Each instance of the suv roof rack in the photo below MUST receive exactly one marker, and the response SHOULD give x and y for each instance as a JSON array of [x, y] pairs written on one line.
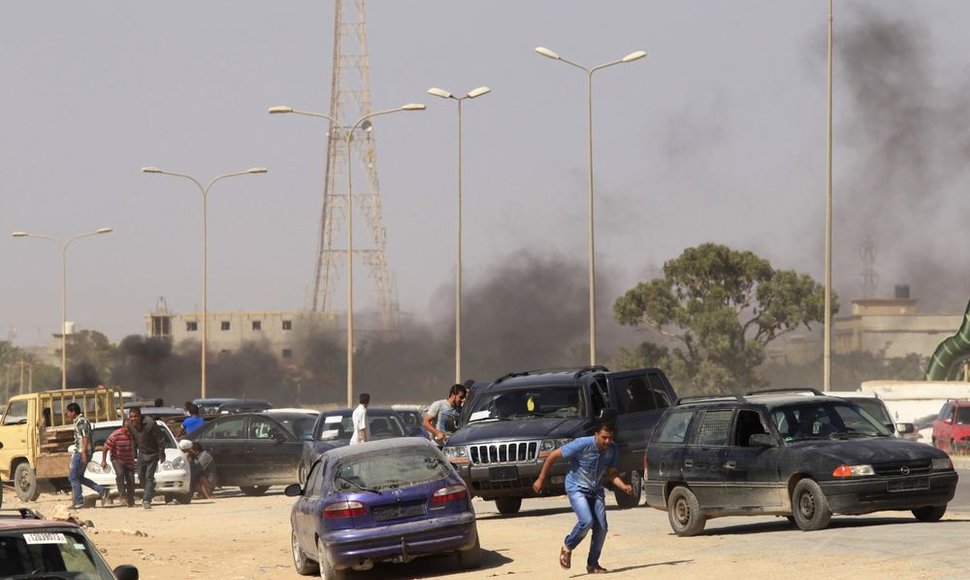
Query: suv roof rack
[[698, 398], [811, 390], [21, 513], [590, 369], [577, 372]]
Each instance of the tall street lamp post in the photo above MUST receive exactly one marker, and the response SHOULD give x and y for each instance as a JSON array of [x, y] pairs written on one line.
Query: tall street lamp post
[[589, 127], [827, 318], [205, 220], [446, 95], [350, 221], [63, 248]]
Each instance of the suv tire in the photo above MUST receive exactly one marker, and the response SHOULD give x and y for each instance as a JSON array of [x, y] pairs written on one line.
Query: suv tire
[[930, 513], [809, 506], [684, 512], [508, 505], [624, 501], [25, 482]]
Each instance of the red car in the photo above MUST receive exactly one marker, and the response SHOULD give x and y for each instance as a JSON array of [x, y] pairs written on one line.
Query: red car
[[951, 429]]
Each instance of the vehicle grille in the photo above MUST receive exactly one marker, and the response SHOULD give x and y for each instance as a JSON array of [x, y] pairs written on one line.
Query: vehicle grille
[[915, 467], [511, 452]]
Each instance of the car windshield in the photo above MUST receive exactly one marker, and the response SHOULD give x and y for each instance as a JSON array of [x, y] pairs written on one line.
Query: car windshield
[[826, 420], [45, 554], [876, 408], [552, 401], [389, 470], [963, 415], [340, 426]]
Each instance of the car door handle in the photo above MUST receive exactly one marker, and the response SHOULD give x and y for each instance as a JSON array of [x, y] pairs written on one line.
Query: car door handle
[[730, 464], [688, 463]]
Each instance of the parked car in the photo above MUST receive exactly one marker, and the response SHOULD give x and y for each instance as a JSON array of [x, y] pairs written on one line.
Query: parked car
[[951, 428], [381, 501], [254, 450], [413, 418], [210, 405], [31, 547], [172, 478], [789, 455], [333, 429], [510, 426], [243, 406]]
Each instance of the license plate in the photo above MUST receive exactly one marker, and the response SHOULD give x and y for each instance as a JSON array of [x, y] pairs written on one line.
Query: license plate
[[503, 473], [396, 512], [910, 484]]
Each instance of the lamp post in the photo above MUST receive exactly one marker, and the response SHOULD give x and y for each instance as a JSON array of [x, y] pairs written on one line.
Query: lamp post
[[350, 221], [827, 319], [446, 95], [63, 248], [589, 126], [205, 219]]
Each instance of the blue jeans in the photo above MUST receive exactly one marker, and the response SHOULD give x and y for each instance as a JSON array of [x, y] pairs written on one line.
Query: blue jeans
[[147, 464], [590, 509], [77, 479]]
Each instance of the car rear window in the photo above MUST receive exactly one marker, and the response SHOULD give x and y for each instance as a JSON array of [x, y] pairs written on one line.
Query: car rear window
[[340, 427], [384, 470]]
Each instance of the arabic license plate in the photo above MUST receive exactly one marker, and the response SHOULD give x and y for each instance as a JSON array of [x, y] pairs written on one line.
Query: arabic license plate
[[503, 473], [396, 512], [45, 538], [909, 484]]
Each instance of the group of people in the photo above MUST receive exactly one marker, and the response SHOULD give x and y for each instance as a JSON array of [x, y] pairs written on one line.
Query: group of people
[[440, 420], [137, 446]]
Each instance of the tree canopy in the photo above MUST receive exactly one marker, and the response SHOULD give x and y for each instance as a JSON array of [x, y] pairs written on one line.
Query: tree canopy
[[717, 308]]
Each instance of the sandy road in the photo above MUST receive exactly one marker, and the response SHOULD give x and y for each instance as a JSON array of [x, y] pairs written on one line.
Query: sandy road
[[242, 537]]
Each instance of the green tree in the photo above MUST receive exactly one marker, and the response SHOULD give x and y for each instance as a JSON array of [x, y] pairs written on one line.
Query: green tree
[[718, 307]]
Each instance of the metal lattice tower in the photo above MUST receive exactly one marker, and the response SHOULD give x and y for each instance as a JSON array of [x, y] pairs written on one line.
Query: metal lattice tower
[[869, 279], [350, 99]]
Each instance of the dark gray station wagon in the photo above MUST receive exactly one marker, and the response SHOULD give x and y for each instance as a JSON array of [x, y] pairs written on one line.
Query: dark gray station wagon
[[785, 454]]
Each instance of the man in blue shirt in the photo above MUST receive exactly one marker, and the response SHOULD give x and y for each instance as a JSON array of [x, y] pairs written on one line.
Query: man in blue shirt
[[192, 422], [589, 458]]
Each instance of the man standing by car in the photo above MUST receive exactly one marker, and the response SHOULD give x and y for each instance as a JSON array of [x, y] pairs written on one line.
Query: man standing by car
[[121, 447], [150, 443], [589, 458], [79, 459], [192, 422], [359, 419], [441, 420]]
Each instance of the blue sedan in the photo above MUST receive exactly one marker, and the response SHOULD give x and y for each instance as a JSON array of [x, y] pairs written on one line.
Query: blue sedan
[[382, 501]]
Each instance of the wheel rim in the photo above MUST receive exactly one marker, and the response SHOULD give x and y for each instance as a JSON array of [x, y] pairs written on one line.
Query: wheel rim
[[681, 511], [806, 505], [297, 555]]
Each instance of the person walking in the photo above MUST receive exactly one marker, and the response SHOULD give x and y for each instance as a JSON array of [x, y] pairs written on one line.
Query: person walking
[[150, 446], [83, 449], [359, 419], [589, 458], [441, 420], [120, 446]]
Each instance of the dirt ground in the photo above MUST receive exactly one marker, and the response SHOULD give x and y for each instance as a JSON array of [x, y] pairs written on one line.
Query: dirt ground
[[241, 537]]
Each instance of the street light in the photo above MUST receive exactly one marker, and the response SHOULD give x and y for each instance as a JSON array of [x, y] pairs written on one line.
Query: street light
[[446, 95], [205, 218], [63, 247], [589, 124], [350, 221], [827, 316]]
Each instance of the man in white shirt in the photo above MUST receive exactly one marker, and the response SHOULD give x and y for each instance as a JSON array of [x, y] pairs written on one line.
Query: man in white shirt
[[359, 419]]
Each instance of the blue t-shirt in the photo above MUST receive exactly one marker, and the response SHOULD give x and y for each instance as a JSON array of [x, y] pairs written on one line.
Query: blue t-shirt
[[587, 464], [191, 423]]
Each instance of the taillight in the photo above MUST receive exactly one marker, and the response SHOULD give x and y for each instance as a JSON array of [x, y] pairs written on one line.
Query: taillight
[[450, 493], [344, 509]]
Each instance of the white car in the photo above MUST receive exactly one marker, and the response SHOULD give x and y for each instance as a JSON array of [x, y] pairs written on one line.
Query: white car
[[172, 478]]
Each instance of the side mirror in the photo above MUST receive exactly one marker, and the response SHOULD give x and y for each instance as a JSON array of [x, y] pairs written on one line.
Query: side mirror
[[905, 428], [948, 420], [293, 490], [126, 572], [762, 440]]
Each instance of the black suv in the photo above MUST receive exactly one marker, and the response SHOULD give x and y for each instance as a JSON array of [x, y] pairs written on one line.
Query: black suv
[[803, 457], [509, 427]]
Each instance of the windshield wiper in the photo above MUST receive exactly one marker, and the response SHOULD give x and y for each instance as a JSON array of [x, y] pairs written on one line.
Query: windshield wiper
[[360, 486]]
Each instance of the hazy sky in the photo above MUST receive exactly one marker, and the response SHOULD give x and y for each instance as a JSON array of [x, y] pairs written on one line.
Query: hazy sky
[[718, 135]]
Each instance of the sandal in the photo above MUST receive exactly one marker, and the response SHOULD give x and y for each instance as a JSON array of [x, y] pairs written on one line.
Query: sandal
[[565, 558], [596, 570]]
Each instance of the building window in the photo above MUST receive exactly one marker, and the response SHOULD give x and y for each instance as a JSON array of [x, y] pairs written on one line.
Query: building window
[[191, 326], [225, 325], [287, 353], [161, 325], [287, 325], [257, 325]]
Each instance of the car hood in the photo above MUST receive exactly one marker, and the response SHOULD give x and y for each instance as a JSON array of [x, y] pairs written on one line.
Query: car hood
[[871, 451], [549, 428]]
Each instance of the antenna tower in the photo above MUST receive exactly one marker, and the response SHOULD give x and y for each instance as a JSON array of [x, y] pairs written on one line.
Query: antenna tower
[[869, 279], [350, 99]]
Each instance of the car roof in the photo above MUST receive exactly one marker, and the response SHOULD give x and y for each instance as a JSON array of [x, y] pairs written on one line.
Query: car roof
[[766, 399], [291, 410], [370, 410], [543, 377], [23, 519], [381, 446]]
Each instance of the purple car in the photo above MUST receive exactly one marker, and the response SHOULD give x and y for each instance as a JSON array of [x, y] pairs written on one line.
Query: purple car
[[381, 501]]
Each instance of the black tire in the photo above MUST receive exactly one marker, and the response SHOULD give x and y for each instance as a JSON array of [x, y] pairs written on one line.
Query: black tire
[[253, 490], [809, 506], [472, 558], [327, 571], [684, 512], [182, 498], [25, 482], [304, 566], [508, 505], [930, 513], [625, 501]]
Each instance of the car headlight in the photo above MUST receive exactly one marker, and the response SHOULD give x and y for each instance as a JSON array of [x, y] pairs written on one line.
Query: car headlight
[[94, 467], [457, 451], [941, 464], [853, 471], [552, 444], [178, 463]]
